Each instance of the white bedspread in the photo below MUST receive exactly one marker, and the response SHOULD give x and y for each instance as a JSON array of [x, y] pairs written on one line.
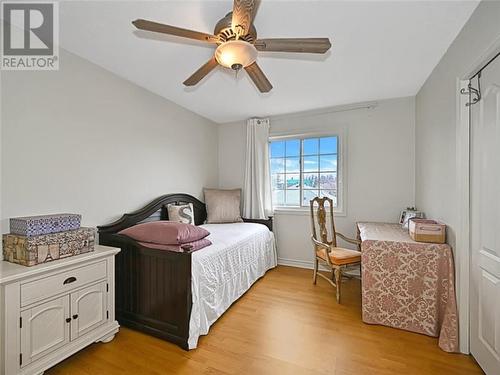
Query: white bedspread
[[221, 273]]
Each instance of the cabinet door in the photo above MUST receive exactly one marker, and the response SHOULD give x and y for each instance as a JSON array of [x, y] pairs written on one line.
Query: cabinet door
[[88, 309], [44, 328]]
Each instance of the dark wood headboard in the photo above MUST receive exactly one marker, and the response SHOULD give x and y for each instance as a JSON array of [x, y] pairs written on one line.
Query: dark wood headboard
[[157, 210], [159, 205]]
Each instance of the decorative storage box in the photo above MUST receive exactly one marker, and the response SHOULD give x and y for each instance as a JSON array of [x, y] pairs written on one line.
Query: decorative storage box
[[44, 224], [30, 251], [422, 230]]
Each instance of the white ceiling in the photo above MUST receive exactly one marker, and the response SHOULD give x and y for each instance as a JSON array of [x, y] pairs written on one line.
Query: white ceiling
[[380, 50]]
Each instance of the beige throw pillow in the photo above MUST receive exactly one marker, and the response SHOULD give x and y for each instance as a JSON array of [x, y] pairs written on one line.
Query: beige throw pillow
[[223, 206]]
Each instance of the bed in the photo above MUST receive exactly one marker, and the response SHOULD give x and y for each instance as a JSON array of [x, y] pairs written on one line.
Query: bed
[[177, 296]]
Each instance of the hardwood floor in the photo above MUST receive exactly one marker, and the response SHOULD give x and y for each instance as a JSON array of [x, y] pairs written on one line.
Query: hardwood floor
[[282, 325]]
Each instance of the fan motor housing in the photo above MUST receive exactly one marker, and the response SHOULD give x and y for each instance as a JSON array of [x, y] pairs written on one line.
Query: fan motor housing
[[224, 31]]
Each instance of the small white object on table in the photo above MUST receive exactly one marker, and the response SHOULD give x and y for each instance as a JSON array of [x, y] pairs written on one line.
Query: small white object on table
[[407, 284]]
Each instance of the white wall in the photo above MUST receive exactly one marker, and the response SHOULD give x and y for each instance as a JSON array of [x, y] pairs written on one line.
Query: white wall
[[380, 167], [436, 168], [86, 141]]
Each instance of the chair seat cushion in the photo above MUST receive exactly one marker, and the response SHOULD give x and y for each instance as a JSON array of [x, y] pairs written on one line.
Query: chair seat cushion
[[340, 256]]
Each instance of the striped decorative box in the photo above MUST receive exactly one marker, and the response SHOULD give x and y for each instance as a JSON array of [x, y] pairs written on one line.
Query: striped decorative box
[[30, 251], [37, 225]]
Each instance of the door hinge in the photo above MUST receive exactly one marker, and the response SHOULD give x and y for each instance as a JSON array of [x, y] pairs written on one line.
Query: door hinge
[[20, 359], [107, 287], [20, 322], [107, 314]]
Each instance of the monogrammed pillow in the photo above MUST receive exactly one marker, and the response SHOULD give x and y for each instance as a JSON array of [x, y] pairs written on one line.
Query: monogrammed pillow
[[223, 206], [182, 213]]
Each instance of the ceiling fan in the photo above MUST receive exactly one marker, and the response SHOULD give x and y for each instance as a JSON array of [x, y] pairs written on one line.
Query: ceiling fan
[[237, 44]]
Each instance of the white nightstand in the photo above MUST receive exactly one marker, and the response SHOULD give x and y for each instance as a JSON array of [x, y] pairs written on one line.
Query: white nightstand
[[52, 310]]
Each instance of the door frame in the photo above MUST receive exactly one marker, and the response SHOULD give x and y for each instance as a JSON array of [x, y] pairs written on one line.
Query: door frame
[[462, 245]]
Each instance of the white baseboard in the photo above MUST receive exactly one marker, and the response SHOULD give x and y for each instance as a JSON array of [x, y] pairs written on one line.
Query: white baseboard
[[295, 263], [354, 271], [299, 264]]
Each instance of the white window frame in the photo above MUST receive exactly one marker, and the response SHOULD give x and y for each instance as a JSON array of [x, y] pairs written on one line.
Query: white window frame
[[340, 210]]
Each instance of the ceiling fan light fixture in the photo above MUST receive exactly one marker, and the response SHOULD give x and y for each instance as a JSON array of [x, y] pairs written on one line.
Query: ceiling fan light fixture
[[236, 54], [235, 39]]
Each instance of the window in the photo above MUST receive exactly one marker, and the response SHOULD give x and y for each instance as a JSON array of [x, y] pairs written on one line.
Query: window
[[302, 169]]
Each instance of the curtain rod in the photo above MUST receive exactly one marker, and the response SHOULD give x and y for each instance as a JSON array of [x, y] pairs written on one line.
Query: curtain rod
[[315, 112]]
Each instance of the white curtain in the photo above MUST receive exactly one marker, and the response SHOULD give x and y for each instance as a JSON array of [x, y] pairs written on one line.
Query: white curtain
[[257, 189]]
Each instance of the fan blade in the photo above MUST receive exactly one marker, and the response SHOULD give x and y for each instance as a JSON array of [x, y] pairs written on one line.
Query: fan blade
[[202, 72], [305, 45], [172, 30], [258, 77], [243, 12]]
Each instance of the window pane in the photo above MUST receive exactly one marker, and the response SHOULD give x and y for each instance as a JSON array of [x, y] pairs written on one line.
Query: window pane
[[328, 163], [302, 169], [277, 181], [332, 194], [277, 149], [310, 181], [328, 145], [293, 197], [293, 147], [311, 146], [308, 195], [278, 197], [328, 180], [292, 165], [277, 165], [310, 164], [292, 181]]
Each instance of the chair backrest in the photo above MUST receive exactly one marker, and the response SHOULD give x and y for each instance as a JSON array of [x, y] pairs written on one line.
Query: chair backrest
[[319, 222]]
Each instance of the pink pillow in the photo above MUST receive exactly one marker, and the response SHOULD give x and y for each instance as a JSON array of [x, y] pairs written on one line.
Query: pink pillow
[[165, 232], [188, 247]]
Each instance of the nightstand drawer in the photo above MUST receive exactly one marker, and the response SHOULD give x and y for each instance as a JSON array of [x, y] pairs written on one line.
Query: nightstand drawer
[[61, 282]]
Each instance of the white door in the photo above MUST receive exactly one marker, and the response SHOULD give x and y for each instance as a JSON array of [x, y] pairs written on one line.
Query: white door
[[485, 223], [44, 328], [88, 309]]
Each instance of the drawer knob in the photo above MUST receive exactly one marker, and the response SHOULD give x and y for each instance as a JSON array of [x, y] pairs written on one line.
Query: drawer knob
[[75, 316], [69, 280], [68, 320]]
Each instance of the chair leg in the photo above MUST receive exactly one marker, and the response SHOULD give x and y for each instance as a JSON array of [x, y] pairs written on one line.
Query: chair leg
[[315, 274], [338, 281]]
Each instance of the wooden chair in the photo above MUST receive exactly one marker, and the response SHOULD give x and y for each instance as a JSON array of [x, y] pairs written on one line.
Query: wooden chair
[[325, 249]]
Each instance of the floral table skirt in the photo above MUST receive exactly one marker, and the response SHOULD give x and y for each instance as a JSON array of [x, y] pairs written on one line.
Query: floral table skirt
[[407, 284]]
